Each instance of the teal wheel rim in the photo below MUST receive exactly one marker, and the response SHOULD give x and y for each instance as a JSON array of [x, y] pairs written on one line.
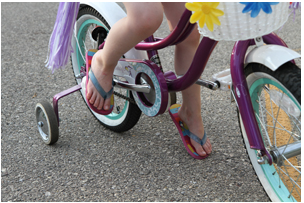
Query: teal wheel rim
[[82, 32], [273, 178]]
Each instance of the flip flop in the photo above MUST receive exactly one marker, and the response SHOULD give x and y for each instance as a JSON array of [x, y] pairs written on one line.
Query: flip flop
[[185, 133], [90, 74]]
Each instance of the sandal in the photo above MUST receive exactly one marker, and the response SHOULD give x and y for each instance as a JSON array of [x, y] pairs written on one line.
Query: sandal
[[90, 75], [185, 133]]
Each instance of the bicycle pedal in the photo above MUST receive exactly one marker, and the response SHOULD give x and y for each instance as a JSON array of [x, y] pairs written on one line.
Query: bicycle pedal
[[206, 83], [223, 78]]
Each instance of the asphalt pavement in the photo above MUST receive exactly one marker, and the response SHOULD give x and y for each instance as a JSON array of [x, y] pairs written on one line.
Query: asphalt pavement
[[91, 163]]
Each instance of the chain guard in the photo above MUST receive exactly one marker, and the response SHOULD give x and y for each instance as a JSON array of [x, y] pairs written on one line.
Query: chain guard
[[153, 103]]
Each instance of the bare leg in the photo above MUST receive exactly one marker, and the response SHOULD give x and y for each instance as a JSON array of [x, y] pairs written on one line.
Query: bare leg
[[184, 52], [142, 20]]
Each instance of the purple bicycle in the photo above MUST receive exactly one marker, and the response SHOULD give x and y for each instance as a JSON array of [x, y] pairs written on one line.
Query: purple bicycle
[[264, 82]]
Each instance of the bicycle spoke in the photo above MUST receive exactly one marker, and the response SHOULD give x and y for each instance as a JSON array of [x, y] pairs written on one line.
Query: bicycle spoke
[[264, 124], [292, 181], [86, 50], [289, 179], [266, 132], [294, 166], [291, 164], [276, 120], [291, 117], [79, 49], [289, 132], [295, 187], [296, 124], [273, 119], [93, 43], [271, 107], [278, 113]]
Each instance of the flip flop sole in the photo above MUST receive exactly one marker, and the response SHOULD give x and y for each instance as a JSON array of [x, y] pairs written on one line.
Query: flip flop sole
[[89, 56], [183, 131]]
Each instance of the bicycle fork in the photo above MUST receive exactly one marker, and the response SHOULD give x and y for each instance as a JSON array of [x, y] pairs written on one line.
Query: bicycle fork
[[242, 97]]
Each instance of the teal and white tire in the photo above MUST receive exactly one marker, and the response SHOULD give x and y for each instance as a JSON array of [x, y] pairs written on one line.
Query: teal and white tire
[[281, 182], [125, 114]]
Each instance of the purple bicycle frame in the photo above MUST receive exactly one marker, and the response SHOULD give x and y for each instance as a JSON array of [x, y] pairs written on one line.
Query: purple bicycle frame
[[182, 30], [206, 46]]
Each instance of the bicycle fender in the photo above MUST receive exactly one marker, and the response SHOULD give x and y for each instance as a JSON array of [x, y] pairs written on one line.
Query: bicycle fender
[[112, 13], [272, 56]]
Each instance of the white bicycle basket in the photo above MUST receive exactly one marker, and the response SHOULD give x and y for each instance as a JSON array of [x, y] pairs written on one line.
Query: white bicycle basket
[[236, 25]]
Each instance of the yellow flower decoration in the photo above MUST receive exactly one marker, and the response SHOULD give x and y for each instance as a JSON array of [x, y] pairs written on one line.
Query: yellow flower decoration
[[205, 12]]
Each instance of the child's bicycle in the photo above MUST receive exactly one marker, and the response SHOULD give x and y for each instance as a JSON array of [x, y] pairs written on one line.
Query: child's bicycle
[[266, 85]]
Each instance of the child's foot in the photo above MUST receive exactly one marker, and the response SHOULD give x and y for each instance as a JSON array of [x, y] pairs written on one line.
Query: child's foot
[[104, 78], [195, 125]]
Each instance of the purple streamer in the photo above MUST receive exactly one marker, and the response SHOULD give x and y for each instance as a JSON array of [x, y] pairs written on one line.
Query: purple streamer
[[294, 6], [60, 47]]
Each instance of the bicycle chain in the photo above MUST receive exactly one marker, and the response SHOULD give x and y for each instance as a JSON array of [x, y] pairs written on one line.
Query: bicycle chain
[[115, 93], [124, 97]]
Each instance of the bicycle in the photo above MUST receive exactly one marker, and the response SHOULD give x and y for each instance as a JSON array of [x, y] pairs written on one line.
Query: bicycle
[[265, 84]]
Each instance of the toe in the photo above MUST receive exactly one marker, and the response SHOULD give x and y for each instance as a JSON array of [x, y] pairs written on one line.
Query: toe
[[107, 104], [97, 101], [99, 107], [198, 148], [93, 98], [201, 151], [90, 93], [207, 147]]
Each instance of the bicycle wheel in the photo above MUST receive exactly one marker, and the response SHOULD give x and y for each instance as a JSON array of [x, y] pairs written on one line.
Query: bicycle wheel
[[47, 122], [276, 100], [125, 114]]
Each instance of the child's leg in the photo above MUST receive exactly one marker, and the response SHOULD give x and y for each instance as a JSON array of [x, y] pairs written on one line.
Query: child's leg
[[142, 20], [190, 111]]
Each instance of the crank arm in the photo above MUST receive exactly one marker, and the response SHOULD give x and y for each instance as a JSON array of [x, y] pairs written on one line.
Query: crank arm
[[145, 88], [205, 83]]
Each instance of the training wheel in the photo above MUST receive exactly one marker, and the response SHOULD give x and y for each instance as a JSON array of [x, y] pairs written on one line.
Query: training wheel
[[47, 122]]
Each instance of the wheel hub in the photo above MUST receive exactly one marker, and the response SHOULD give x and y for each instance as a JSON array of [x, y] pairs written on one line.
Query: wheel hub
[[285, 152], [43, 129]]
